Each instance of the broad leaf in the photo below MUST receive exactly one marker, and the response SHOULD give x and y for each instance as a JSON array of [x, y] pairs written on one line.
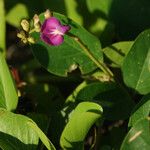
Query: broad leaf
[[83, 117], [19, 132], [136, 66], [15, 134], [68, 56], [115, 101], [117, 52], [141, 110], [138, 138], [8, 92]]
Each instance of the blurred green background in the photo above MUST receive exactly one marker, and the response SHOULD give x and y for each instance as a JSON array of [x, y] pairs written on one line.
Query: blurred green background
[[110, 20]]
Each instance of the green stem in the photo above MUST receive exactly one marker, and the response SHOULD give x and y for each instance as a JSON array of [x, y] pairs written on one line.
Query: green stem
[[101, 65], [2, 27]]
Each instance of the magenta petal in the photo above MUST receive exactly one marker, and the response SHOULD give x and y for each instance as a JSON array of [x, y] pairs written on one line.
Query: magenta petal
[[52, 31], [50, 23], [65, 29], [46, 39], [56, 39]]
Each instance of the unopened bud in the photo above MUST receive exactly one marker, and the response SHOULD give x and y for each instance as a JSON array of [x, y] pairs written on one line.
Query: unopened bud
[[24, 40], [21, 34], [48, 14], [25, 25], [37, 24], [36, 19], [31, 40]]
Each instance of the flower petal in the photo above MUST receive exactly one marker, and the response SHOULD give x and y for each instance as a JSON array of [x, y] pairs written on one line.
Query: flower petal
[[56, 39], [50, 23], [52, 39], [65, 29], [46, 39]]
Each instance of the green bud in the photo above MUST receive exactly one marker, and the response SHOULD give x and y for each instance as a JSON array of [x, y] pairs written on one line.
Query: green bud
[[25, 25]]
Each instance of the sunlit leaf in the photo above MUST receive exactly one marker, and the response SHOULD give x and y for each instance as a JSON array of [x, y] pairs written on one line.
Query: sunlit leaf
[[136, 66], [138, 137], [83, 117], [117, 52], [8, 92]]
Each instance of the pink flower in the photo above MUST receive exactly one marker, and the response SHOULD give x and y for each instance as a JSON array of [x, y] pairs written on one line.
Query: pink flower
[[52, 31]]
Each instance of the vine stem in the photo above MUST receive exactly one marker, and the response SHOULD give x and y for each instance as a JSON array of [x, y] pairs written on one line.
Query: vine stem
[[101, 65], [2, 28]]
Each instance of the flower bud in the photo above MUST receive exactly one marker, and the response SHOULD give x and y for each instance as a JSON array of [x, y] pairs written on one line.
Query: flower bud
[[24, 40], [47, 14], [36, 19], [21, 34], [25, 25], [37, 24], [31, 40]]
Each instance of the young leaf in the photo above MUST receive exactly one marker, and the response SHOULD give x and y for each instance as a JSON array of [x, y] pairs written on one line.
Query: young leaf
[[141, 110], [8, 92], [83, 117], [136, 66], [68, 56], [138, 138]]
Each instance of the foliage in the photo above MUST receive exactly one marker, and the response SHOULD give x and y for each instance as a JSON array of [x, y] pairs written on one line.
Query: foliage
[[90, 92]]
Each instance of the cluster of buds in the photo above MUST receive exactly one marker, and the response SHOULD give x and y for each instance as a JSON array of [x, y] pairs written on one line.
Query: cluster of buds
[[24, 34]]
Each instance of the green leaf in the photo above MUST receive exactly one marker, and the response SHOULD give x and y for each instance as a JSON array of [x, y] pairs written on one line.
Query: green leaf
[[15, 134], [20, 132], [72, 12], [42, 136], [8, 92], [16, 13], [83, 117], [115, 101], [117, 52], [99, 24], [141, 110], [104, 6], [65, 58], [138, 138], [136, 66], [17, 10]]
